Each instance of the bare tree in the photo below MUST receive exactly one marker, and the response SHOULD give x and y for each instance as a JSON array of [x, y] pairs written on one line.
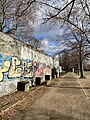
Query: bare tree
[[74, 15], [65, 61], [85, 6], [69, 60], [66, 12], [17, 16], [77, 41]]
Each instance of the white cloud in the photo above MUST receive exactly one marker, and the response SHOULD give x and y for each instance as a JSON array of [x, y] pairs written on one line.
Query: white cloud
[[51, 47], [48, 32], [54, 48], [45, 42]]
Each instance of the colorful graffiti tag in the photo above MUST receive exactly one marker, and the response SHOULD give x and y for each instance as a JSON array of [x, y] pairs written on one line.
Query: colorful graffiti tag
[[12, 67], [39, 68]]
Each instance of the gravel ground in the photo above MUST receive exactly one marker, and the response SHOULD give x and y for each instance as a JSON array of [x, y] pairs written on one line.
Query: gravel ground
[[14, 102], [65, 98]]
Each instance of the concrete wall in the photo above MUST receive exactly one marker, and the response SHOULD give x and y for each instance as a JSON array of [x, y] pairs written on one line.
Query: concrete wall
[[18, 61]]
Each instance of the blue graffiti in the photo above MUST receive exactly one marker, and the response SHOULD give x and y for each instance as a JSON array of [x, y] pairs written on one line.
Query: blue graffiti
[[16, 66]]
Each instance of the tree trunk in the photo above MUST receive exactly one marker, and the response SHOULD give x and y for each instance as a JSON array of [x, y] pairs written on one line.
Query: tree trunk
[[78, 69], [81, 70], [81, 60]]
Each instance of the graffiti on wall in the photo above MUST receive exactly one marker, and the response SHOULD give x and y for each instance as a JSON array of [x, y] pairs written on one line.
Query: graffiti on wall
[[39, 68], [13, 67], [47, 70]]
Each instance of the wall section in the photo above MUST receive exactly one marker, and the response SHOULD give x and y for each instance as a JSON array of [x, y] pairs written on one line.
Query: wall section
[[18, 61]]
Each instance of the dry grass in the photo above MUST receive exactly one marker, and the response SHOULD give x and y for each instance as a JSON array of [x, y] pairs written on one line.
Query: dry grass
[[87, 74]]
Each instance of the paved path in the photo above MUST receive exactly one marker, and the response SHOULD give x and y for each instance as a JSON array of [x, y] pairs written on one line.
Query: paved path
[[65, 100]]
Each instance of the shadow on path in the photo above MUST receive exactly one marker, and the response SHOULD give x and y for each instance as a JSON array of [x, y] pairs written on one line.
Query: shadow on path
[[58, 86], [42, 115]]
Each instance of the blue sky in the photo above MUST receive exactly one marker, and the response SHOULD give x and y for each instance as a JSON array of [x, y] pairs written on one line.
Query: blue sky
[[48, 35], [49, 39]]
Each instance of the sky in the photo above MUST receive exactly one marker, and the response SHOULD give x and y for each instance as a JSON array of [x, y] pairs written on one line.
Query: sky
[[49, 39], [48, 35]]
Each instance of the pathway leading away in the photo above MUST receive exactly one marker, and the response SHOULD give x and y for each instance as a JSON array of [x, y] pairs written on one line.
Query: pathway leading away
[[65, 99]]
